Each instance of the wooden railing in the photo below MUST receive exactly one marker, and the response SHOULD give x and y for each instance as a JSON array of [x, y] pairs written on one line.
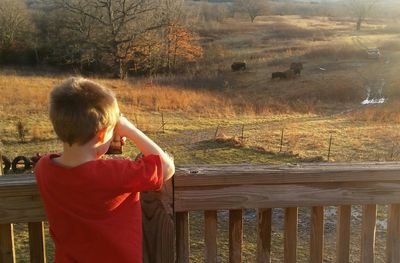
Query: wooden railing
[[233, 188]]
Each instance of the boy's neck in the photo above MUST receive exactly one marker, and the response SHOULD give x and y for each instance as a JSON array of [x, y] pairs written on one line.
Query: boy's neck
[[75, 155]]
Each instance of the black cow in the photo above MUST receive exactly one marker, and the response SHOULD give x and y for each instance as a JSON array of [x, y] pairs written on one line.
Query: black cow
[[236, 66], [278, 75]]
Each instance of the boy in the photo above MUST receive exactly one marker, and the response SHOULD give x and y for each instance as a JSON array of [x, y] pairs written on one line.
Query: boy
[[93, 205]]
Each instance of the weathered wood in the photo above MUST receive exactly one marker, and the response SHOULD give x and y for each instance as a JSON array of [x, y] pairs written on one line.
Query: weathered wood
[[210, 236], [182, 237], [343, 234], [158, 225], [37, 243], [264, 227], [7, 249], [317, 234], [215, 175], [393, 234], [368, 233], [235, 235], [290, 237], [20, 200], [286, 195]]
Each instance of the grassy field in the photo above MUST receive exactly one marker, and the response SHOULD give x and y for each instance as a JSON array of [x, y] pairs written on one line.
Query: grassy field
[[213, 115]]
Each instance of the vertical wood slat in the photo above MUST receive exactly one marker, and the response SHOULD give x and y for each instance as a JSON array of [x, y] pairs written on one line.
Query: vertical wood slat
[[7, 249], [264, 227], [182, 237], [290, 246], [343, 234], [393, 234], [158, 226], [37, 243], [368, 233], [317, 234], [210, 238], [235, 235]]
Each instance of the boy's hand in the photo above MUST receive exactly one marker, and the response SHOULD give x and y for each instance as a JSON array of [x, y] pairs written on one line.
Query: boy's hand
[[123, 126]]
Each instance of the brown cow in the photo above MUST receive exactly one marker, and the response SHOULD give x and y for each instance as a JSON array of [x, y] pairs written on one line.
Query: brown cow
[[296, 67]]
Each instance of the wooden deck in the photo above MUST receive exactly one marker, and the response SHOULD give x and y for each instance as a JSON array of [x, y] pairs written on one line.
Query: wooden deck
[[236, 187]]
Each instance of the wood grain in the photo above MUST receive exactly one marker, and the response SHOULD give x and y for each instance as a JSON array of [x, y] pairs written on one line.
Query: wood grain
[[286, 195], [182, 237], [264, 228], [235, 235], [317, 234], [368, 234], [343, 234], [37, 243], [393, 236], [7, 249], [210, 236], [215, 175], [158, 225], [290, 236]]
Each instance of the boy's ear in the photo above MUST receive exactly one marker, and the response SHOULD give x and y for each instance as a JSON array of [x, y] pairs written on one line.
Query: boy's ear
[[101, 135]]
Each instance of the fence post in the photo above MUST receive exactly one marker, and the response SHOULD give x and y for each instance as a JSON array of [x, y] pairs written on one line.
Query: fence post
[[216, 133], [280, 149], [158, 225], [242, 137], [329, 149]]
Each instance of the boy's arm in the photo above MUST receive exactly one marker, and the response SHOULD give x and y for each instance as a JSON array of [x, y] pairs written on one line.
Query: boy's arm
[[125, 128]]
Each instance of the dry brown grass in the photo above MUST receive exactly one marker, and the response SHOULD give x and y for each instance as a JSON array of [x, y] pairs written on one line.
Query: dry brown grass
[[25, 93]]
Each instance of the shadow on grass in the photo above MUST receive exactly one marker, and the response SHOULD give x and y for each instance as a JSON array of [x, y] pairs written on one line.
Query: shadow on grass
[[233, 150]]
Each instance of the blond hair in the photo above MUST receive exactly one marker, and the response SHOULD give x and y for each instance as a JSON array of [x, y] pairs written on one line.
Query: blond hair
[[80, 108]]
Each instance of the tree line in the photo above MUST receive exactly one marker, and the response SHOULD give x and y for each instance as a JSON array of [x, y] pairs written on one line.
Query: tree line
[[116, 36]]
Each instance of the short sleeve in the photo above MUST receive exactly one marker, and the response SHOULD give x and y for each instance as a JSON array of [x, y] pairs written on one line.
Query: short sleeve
[[141, 175]]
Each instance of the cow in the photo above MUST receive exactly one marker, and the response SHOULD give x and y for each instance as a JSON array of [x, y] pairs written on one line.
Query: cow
[[278, 74], [290, 73], [296, 67], [287, 74], [236, 66]]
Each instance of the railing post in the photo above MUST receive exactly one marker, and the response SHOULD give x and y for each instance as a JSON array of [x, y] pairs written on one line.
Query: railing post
[[264, 228], [182, 237], [210, 236], [158, 226], [7, 250], [290, 249], [317, 234], [37, 243], [368, 233], [343, 234], [235, 235], [393, 234]]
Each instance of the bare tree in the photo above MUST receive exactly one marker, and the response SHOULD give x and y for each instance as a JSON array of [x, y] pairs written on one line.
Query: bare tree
[[252, 8], [361, 9], [110, 28], [15, 21]]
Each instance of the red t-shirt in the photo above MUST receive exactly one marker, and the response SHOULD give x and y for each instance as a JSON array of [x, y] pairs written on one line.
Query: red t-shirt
[[94, 210]]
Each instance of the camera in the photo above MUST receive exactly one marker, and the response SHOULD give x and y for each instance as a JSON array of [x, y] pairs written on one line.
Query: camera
[[115, 145]]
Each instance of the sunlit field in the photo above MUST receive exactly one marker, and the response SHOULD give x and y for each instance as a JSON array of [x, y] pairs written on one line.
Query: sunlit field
[[211, 114]]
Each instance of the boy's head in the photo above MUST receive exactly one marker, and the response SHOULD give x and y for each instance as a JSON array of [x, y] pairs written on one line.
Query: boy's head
[[80, 108]]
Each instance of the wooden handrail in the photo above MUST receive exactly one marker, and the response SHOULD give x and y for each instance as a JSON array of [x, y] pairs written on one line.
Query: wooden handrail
[[210, 188], [306, 185]]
